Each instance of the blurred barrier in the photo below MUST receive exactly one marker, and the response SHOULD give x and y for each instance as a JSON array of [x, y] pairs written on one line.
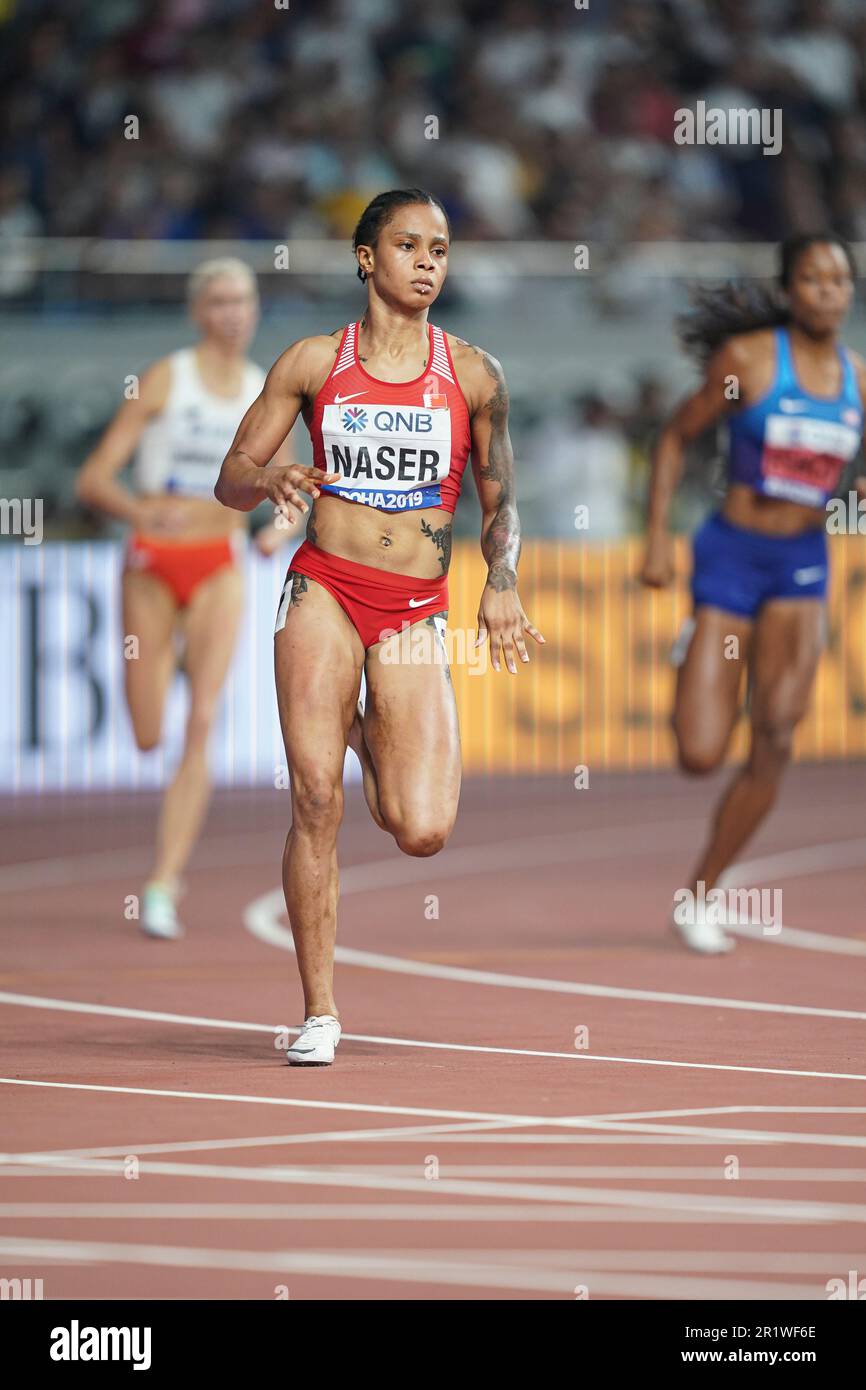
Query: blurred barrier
[[597, 695], [330, 256], [600, 692], [61, 679]]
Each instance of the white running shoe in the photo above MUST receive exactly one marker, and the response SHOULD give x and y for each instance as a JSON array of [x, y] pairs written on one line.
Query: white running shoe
[[701, 935], [159, 913], [317, 1042]]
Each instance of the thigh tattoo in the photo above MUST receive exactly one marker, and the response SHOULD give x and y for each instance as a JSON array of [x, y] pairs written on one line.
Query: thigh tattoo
[[439, 629]]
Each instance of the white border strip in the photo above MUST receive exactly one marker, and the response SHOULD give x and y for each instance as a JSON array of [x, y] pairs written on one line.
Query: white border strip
[[262, 916], [37, 1001]]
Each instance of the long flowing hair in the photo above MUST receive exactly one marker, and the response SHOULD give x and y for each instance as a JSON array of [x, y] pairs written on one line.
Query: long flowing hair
[[740, 306]]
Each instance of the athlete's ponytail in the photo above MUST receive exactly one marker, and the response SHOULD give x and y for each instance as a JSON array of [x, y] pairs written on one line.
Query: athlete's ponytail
[[740, 306], [378, 213]]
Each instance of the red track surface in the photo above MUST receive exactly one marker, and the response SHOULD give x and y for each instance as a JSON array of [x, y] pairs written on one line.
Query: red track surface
[[554, 1170]]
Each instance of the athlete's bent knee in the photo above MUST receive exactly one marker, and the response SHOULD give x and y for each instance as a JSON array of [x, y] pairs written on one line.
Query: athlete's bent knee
[[699, 761], [420, 840], [146, 742]]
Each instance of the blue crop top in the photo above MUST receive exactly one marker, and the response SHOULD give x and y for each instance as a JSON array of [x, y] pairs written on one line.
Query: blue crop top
[[792, 445]]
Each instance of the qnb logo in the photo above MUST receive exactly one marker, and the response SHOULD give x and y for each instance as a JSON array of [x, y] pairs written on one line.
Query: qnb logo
[[855, 1287], [406, 422], [355, 418], [77, 1343], [24, 1289]]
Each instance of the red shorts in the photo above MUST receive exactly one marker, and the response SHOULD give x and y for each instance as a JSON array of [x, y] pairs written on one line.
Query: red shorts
[[378, 602], [182, 565]]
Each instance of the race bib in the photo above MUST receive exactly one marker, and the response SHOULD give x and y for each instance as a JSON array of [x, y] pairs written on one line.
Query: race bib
[[389, 457], [803, 459]]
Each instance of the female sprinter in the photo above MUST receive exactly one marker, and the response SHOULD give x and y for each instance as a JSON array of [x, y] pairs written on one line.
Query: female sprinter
[[393, 406], [181, 568], [794, 400]]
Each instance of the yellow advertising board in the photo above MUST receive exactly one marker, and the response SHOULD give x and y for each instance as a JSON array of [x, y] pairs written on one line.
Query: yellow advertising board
[[600, 692]]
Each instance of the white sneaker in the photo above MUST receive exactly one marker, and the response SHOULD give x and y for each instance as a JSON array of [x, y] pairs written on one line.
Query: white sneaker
[[701, 935], [317, 1042], [158, 913]]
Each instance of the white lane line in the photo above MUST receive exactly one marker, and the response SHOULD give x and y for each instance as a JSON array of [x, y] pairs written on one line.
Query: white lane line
[[262, 919], [406, 1133], [703, 1261], [734, 1110], [803, 940], [217, 852], [68, 1161], [548, 1121], [605, 1140], [426, 1267], [405, 1178], [237, 849], [799, 863], [76, 1006], [564, 847], [567, 847], [464, 1212], [677, 1261], [38, 1001], [812, 859], [452, 1133], [790, 1209], [294, 1102], [597, 845], [708, 1174]]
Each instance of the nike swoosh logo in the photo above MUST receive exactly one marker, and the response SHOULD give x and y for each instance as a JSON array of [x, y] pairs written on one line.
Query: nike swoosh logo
[[338, 400], [419, 602], [810, 575], [793, 405]]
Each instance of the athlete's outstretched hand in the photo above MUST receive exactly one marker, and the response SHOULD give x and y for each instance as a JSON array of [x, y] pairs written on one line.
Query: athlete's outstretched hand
[[502, 622], [284, 486], [658, 566]]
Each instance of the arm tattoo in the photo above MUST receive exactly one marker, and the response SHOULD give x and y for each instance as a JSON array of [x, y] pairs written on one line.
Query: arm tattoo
[[500, 544], [498, 466], [441, 538], [299, 588], [501, 548]]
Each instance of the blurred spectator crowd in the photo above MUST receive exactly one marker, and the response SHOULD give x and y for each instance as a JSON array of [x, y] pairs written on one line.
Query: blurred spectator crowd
[[275, 119]]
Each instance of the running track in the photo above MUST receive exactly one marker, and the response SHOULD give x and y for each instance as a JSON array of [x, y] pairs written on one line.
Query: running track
[[157, 1146]]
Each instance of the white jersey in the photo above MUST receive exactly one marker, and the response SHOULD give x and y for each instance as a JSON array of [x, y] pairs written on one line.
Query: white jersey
[[182, 448]]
